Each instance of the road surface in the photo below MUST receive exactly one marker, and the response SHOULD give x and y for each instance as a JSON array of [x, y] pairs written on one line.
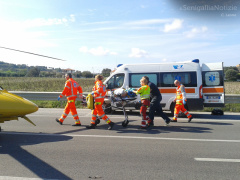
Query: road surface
[[206, 148]]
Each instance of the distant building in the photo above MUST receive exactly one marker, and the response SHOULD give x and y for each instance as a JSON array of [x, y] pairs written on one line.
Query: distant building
[[68, 70]]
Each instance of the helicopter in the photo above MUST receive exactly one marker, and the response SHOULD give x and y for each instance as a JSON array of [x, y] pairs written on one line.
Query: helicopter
[[13, 106]]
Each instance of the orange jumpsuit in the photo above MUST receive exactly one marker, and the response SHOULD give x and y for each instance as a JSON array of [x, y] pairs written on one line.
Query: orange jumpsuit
[[70, 91], [180, 97], [99, 94]]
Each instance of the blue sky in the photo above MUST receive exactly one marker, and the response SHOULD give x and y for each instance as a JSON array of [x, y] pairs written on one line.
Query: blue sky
[[96, 34]]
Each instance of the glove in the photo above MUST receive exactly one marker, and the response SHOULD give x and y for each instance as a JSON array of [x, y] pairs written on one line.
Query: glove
[[184, 102], [92, 93], [59, 98]]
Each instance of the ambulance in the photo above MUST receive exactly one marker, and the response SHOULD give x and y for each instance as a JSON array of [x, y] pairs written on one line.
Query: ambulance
[[204, 83]]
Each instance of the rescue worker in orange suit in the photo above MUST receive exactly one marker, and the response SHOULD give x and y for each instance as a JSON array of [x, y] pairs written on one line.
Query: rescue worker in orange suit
[[144, 92], [70, 91], [99, 91], [180, 102]]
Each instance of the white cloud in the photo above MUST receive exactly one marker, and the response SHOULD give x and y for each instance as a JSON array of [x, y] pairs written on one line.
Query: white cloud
[[99, 51], [147, 22], [138, 53], [72, 18], [47, 22], [176, 24], [196, 31]]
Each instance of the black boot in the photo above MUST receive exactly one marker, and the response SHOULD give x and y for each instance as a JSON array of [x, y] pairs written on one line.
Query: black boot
[[92, 126], [190, 119], [76, 125], [58, 121], [111, 124]]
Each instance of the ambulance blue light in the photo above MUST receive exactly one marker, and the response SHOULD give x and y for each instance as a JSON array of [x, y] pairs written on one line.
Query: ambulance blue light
[[195, 60], [119, 65]]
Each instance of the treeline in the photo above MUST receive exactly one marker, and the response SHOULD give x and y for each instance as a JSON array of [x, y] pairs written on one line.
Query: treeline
[[13, 70], [232, 73]]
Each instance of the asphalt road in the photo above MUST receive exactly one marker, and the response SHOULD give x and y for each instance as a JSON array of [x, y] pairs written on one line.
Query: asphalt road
[[206, 148]]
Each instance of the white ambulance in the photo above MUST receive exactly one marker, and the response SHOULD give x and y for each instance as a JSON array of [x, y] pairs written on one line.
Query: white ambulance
[[204, 84]]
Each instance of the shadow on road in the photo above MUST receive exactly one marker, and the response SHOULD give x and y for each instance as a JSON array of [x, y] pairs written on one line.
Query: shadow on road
[[195, 115], [11, 144]]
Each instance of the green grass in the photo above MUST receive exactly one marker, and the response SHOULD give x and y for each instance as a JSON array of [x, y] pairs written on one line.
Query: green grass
[[227, 108], [42, 84]]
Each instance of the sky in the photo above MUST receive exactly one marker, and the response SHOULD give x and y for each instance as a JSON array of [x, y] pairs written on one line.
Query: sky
[[95, 34]]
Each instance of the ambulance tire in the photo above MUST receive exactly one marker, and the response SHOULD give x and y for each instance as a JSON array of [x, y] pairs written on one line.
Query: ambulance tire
[[172, 107], [125, 123]]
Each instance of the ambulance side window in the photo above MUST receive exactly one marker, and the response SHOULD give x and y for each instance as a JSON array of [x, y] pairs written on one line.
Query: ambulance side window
[[188, 79], [115, 81], [135, 79]]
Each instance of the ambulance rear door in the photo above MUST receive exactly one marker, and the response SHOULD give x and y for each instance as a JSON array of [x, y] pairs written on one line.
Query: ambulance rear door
[[213, 84]]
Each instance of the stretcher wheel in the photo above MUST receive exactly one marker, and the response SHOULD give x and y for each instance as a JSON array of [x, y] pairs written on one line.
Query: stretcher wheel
[[125, 123]]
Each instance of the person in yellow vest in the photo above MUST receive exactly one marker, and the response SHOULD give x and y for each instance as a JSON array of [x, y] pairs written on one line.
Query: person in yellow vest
[[144, 92], [99, 92], [180, 101], [71, 90]]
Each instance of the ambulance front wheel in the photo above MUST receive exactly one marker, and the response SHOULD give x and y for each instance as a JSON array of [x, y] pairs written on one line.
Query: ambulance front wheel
[[172, 107], [125, 123]]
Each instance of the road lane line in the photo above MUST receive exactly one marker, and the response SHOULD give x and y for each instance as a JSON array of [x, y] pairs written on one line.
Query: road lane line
[[216, 160], [125, 137]]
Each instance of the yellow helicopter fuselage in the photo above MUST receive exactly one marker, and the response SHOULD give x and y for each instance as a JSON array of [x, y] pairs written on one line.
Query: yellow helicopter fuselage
[[13, 106]]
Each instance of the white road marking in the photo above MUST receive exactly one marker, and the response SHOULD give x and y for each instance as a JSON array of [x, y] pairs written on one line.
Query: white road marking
[[125, 137], [217, 160]]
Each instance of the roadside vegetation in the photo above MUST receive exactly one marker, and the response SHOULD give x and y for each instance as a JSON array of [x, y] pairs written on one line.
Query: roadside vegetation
[[42, 84], [57, 85]]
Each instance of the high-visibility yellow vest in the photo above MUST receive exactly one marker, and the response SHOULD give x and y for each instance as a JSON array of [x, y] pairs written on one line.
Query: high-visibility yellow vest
[[144, 92]]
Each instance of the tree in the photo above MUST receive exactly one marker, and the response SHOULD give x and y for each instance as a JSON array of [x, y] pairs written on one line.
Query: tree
[[87, 74], [78, 74], [238, 76], [33, 72], [106, 72], [231, 75], [22, 72], [230, 67]]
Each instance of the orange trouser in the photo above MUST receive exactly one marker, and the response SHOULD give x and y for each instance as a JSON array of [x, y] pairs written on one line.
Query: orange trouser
[[98, 110], [70, 107], [143, 110], [180, 107]]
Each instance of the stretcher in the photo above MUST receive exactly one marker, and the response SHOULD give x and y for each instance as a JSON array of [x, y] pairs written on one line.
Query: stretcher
[[117, 101], [122, 100]]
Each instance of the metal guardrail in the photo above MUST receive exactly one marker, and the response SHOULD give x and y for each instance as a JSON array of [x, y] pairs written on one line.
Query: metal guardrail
[[42, 96], [232, 99], [51, 96]]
